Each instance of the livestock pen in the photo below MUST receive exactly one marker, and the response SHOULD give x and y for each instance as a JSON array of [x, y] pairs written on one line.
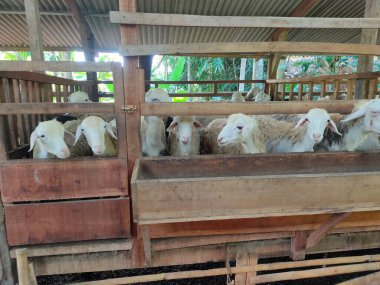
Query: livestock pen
[[99, 214]]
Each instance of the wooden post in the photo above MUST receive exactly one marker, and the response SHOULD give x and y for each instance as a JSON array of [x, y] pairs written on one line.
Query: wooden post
[[147, 246], [336, 89], [350, 89], [300, 91], [34, 29], [291, 92], [5, 259], [323, 89], [245, 259], [298, 245], [369, 36], [22, 266], [146, 64]]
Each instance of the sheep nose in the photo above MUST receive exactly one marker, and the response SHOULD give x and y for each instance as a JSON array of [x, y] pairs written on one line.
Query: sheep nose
[[65, 152], [185, 140], [97, 149]]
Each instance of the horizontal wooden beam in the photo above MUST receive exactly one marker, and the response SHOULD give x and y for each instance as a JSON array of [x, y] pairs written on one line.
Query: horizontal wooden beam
[[62, 66], [363, 75], [54, 108], [252, 47], [179, 20], [214, 108], [202, 81]]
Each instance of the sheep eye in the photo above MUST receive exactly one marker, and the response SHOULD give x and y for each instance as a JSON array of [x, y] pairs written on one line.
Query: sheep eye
[[86, 100], [105, 126], [82, 130], [328, 121], [240, 127], [306, 120], [42, 136]]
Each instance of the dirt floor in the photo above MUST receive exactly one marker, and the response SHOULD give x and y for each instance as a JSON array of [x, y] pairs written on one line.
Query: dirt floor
[[74, 278]]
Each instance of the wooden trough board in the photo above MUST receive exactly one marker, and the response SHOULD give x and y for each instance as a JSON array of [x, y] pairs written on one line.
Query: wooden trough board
[[168, 190]]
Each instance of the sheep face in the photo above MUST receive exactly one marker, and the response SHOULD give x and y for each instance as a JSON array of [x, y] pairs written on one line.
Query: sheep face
[[371, 113], [78, 97], [157, 95], [238, 129], [317, 120], [50, 134], [94, 129], [182, 127]]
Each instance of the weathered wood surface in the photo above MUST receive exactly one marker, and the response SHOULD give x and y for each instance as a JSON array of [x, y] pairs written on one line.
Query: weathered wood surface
[[6, 276], [248, 47], [56, 180], [52, 108], [33, 19], [180, 20], [67, 221], [62, 66], [370, 279], [42, 78], [22, 266], [227, 108], [299, 185]]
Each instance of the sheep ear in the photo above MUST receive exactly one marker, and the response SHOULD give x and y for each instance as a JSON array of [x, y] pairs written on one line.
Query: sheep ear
[[110, 130], [222, 125], [78, 133], [197, 124], [301, 123], [332, 126], [172, 127], [33, 138], [359, 113]]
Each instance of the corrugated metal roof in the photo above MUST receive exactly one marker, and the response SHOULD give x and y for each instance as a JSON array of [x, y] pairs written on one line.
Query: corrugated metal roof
[[60, 29]]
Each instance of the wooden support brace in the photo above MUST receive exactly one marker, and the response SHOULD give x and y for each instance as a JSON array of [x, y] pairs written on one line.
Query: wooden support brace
[[32, 275], [324, 228], [147, 246], [298, 245], [22, 266]]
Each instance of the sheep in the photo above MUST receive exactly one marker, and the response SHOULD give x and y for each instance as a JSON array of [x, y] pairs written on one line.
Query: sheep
[[152, 132], [237, 97], [252, 93], [262, 97], [326, 98], [361, 125], [47, 140], [78, 97], [184, 137], [98, 136], [152, 128], [236, 135], [283, 136]]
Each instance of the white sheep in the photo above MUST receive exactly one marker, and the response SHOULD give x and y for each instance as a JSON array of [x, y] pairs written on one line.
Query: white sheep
[[237, 97], [362, 124], [47, 140], [99, 136], [152, 128], [236, 135], [326, 98], [184, 137], [252, 93], [262, 97], [78, 97], [283, 136]]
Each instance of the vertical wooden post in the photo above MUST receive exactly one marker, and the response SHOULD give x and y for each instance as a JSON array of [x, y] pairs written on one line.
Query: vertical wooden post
[[298, 246], [34, 29], [147, 246], [5, 259], [323, 89], [350, 89], [300, 91], [22, 266], [369, 36], [291, 92], [245, 259], [336, 89], [372, 88], [311, 92]]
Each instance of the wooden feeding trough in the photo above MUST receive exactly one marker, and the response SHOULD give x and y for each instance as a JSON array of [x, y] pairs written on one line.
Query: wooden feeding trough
[[234, 187]]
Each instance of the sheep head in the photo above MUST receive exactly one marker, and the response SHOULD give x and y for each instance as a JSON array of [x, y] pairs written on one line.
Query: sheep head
[[370, 111], [78, 97], [237, 129], [182, 127]]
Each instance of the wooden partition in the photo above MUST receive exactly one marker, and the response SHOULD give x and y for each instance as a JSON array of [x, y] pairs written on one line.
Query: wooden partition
[[49, 201], [337, 87]]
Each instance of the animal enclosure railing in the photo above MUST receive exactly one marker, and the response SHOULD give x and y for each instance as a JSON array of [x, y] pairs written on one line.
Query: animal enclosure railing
[[59, 200], [214, 83], [328, 85]]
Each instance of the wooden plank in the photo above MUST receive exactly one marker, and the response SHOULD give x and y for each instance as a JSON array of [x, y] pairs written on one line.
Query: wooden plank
[[328, 78], [179, 20], [8, 96], [44, 180], [336, 89], [67, 221], [372, 88], [253, 260], [5, 260], [147, 246], [33, 118], [27, 118], [38, 77], [117, 74], [323, 89], [169, 200], [37, 96], [370, 279], [350, 89], [76, 248], [291, 92], [300, 91], [248, 47], [156, 82], [32, 274], [215, 108], [85, 262], [327, 226], [61, 66], [22, 266], [33, 17], [298, 245], [19, 122], [52, 108], [242, 259]]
